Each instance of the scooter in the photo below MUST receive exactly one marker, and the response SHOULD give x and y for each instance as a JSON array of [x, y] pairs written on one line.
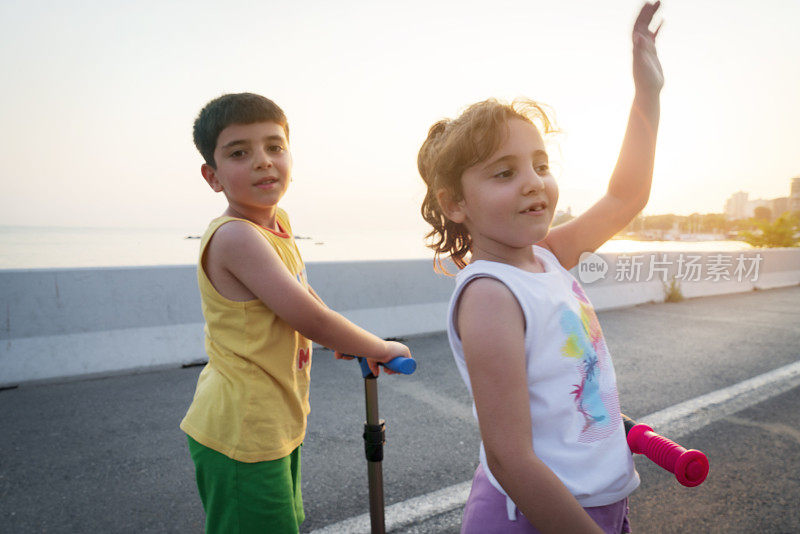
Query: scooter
[[690, 467], [374, 437]]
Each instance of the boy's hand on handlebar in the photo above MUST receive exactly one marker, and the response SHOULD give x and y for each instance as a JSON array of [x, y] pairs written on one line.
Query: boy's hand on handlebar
[[392, 349], [373, 364]]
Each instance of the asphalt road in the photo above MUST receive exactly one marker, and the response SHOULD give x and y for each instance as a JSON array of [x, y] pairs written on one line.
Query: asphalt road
[[106, 455]]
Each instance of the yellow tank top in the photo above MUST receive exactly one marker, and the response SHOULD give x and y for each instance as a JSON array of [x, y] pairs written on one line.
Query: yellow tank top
[[251, 400]]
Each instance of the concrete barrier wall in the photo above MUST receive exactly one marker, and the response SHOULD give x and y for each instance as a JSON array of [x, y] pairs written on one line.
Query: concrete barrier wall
[[58, 323], [699, 274]]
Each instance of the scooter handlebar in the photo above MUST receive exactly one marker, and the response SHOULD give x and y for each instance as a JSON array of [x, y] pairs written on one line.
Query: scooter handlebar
[[689, 466], [401, 364]]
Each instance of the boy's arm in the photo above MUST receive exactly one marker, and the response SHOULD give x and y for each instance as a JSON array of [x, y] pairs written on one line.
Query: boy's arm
[[492, 331], [344, 356], [243, 252], [314, 294], [629, 187]]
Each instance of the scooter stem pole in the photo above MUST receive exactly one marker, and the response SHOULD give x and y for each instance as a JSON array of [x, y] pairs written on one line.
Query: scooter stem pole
[[374, 469]]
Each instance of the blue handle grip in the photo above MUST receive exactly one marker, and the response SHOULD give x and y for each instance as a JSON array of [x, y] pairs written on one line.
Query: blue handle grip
[[401, 364]]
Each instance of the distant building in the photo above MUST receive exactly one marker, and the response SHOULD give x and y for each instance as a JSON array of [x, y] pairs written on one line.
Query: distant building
[[779, 206], [794, 195], [736, 206], [754, 204], [562, 216], [739, 205]]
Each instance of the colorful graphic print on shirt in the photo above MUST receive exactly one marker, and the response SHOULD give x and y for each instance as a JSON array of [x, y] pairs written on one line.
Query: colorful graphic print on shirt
[[595, 392]]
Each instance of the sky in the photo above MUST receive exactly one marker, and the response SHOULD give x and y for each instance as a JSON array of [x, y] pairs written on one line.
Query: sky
[[99, 97]]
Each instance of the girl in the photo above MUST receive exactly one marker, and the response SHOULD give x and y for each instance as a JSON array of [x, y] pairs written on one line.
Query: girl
[[526, 340]]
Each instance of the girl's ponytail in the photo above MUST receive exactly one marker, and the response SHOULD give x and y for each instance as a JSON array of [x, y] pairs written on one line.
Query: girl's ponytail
[[446, 237]]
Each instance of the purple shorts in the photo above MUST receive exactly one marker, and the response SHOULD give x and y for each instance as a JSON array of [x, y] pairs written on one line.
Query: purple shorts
[[485, 512]]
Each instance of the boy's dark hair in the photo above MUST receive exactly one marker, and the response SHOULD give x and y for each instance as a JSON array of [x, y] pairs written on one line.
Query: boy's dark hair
[[239, 108]]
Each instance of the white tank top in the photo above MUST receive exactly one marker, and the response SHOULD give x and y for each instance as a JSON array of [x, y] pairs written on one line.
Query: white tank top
[[575, 416]]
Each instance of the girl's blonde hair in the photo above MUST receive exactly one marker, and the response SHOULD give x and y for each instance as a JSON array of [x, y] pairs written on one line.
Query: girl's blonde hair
[[451, 148]]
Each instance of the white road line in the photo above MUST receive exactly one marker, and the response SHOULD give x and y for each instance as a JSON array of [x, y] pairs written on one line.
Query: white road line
[[673, 422], [680, 419], [407, 512]]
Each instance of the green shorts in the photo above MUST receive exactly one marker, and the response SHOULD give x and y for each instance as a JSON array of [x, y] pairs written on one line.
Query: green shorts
[[240, 497]]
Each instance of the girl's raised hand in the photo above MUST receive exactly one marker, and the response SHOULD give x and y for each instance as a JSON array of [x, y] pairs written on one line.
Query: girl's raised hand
[[647, 73]]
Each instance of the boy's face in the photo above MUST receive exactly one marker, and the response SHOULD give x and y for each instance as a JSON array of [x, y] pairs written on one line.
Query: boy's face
[[254, 167]]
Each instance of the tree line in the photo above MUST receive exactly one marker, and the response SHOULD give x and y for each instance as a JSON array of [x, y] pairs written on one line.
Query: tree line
[[758, 231]]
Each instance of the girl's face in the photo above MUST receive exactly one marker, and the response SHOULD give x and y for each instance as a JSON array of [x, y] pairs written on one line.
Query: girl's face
[[508, 201]]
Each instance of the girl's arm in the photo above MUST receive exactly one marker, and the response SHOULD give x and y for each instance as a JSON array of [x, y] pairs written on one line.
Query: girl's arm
[[238, 254], [492, 331], [629, 187]]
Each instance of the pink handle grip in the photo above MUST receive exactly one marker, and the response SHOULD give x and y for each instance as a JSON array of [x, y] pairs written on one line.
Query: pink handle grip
[[690, 467]]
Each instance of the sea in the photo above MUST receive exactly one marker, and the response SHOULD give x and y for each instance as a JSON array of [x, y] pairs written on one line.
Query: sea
[[28, 247]]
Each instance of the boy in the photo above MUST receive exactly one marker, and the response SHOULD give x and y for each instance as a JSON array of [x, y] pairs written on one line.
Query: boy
[[247, 421]]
